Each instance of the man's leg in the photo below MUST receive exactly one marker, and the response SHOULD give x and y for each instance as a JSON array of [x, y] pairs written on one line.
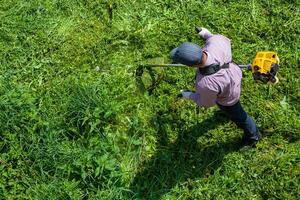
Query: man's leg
[[237, 114]]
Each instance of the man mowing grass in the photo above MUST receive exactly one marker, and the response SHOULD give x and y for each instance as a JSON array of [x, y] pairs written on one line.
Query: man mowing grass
[[218, 80]]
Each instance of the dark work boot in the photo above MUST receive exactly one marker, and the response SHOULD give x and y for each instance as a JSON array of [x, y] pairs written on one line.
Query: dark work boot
[[249, 142]]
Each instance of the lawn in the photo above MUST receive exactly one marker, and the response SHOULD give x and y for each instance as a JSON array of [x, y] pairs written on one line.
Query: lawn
[[74, 123]]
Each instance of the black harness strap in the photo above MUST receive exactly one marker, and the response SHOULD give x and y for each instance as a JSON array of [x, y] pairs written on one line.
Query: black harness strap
[[211, 69]]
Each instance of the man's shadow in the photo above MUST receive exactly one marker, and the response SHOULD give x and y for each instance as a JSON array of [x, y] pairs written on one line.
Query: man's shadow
[[182, 160]]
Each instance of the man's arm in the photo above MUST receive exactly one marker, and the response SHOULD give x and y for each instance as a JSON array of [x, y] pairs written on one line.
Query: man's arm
[[207, 99], [206, 94], [203, 32]]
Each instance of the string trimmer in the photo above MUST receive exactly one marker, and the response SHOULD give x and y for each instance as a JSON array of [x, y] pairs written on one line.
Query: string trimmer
[[264, 69]]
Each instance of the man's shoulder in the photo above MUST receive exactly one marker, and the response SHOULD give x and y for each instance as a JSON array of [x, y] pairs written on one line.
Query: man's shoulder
[[219, 47]]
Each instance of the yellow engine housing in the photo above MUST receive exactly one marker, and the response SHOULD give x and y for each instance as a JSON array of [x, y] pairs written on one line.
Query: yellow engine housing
[[265, 66]]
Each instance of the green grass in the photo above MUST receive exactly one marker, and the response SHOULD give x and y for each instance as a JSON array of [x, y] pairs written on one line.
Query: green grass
[[74, 125]]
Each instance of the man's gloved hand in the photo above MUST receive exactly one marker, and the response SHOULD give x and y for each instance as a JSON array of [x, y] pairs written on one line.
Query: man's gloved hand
[[185, 94], [203, 32]]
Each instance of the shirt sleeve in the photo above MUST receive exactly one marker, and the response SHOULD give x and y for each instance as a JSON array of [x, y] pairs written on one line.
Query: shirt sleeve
[[206, 95], [195, 97], [220, 47]]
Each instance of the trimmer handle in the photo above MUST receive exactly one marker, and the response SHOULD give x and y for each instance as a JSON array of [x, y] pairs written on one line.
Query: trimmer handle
[[198, 29], [247, 67]]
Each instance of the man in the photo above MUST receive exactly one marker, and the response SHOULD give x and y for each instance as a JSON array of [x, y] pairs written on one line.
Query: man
[[218, 80]]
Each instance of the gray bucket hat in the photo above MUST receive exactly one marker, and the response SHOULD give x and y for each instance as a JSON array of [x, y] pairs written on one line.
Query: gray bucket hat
[[187, 53]]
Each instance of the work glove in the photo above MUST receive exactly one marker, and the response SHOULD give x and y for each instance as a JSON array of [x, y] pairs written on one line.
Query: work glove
[[203, 32], [185, 94]]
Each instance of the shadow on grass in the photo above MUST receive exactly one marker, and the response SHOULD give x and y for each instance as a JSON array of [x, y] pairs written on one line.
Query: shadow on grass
[[180, 161]]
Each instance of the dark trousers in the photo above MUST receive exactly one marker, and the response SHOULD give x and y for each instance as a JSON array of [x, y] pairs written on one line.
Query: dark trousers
[[237, 114]]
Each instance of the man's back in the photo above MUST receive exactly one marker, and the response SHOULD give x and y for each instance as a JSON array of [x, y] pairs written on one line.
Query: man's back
[[224, 86]]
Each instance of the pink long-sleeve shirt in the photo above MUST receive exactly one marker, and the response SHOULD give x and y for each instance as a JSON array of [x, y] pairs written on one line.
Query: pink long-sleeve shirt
[[223, 87]]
